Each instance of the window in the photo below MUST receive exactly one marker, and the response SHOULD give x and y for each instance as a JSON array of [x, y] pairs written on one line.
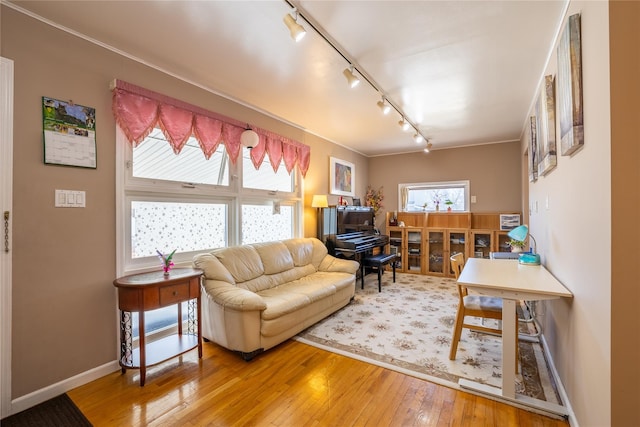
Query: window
[[425, 196], [191, 204]]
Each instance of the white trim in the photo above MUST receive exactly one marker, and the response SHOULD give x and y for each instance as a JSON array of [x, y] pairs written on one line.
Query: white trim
[[6, 185], [564, 397], [53, 390]]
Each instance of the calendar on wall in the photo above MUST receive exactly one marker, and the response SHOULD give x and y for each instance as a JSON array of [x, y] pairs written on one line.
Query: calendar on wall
[[69, 132]]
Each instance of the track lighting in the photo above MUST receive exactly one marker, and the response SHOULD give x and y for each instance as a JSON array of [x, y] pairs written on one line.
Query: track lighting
[[384, 106], [297, 31], [427, 149], [352, 79], [404, 124]]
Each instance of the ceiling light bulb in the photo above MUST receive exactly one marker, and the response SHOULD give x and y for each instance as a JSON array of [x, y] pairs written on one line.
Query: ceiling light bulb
[[351, 78], [404, 124], [418, 138], [384, 106], [297, 31], [427, 149]]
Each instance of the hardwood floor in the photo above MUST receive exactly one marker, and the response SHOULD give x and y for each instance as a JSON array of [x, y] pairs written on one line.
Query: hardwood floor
[[291, 385]]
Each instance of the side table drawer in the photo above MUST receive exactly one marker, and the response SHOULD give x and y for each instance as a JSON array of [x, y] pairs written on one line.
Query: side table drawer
[[174, 294]]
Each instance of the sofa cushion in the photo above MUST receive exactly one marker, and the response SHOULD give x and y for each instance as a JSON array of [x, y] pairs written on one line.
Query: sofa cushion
[[243, 262], [275, 256], [212, 268]]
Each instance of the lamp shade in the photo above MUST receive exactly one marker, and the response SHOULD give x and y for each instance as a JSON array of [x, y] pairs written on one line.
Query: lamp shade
[[249, 138], [319, 201], [519, 233]]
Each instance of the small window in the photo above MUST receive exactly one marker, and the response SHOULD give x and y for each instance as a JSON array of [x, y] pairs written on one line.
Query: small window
[[265, 178], [154, 158], [432, 196]]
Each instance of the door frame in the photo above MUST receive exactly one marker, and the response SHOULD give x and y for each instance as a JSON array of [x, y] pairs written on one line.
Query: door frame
[[6, 200]]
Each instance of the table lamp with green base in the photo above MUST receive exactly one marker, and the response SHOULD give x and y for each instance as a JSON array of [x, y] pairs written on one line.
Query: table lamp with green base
[[527, 258]]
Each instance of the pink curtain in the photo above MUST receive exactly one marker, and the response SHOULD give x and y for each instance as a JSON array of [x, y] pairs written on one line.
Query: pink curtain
[[138, 111]]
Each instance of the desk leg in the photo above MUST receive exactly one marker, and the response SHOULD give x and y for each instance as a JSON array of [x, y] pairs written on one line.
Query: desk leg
[[508, 390], [508, 348]]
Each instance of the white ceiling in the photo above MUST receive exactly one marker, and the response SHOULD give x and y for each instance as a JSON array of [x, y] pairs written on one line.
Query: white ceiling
[[465, 72]]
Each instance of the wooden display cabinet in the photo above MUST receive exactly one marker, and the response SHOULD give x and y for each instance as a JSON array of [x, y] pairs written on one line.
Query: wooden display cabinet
[[435, 245], [481, 243], [500, 240], [444, 234], [408, 243]]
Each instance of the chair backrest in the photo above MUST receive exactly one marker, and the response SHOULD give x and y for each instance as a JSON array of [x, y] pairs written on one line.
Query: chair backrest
[[457, 262]]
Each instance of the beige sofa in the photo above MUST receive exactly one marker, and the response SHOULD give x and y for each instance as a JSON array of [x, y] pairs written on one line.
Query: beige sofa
[[257, 296]]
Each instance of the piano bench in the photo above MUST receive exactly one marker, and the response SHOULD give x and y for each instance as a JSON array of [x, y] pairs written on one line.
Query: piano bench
[[378, 262]]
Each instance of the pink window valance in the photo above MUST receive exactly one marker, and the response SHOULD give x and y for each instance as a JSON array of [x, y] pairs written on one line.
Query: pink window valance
[[138, 111]]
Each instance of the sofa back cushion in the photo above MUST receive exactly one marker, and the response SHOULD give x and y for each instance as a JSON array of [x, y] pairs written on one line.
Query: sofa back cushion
[[212, 268], [243, 262], [306, 251], [262, 266], [275, 256]]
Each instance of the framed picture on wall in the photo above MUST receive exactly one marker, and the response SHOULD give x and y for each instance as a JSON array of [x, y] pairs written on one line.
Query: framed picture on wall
[[545, 111], [342, 176], [570, 87]]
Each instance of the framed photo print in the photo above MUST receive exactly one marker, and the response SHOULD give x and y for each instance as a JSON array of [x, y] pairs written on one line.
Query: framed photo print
[[342, 176]]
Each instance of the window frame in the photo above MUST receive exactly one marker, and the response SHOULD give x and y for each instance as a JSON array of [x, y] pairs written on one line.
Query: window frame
[[433, 185], [234, 195]]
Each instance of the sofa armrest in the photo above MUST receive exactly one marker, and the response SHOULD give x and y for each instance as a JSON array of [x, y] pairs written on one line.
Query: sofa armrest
[[232, 297], [331, 263]]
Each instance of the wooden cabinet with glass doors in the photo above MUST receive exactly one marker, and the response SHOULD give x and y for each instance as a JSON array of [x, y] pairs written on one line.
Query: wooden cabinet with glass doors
[[406, 231], [481, 243], [407, 242], [441, 244], [443, 234]]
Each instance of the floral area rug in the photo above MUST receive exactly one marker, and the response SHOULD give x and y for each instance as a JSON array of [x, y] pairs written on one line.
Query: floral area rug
[[408, 328]]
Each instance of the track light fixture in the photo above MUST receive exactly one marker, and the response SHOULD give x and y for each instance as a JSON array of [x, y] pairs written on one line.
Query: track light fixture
[[384, 106], [427, 149], [297, 31], [404, 124], [352, 79]]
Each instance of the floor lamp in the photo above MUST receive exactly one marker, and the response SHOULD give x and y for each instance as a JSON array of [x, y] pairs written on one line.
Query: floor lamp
[[319, 201]]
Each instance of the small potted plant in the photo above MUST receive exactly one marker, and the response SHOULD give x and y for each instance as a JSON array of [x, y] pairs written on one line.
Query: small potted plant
[[516, 245], [449, 203]]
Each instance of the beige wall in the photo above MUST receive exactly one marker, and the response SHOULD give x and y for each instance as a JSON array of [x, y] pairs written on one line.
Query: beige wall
[[493, 172], [584, 240], [64, 306]]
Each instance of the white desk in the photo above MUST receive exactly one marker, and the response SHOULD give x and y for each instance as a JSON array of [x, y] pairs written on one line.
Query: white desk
[[512, 282]]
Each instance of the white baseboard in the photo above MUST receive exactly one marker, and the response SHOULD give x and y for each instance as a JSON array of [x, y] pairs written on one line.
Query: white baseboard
[[49, 392], [573, 422]]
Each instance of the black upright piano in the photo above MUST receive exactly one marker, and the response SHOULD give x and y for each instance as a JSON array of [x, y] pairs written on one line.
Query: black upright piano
[[349, 231]]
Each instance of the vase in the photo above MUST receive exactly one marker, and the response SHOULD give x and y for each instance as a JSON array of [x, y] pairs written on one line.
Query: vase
[[437, 207], [516, 249]]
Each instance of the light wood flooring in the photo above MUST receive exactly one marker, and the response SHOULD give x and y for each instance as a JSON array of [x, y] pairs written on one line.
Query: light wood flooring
[[291, 385]]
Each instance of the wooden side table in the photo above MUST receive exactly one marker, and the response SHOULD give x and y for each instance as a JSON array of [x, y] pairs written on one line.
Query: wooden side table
[[149, 291]]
